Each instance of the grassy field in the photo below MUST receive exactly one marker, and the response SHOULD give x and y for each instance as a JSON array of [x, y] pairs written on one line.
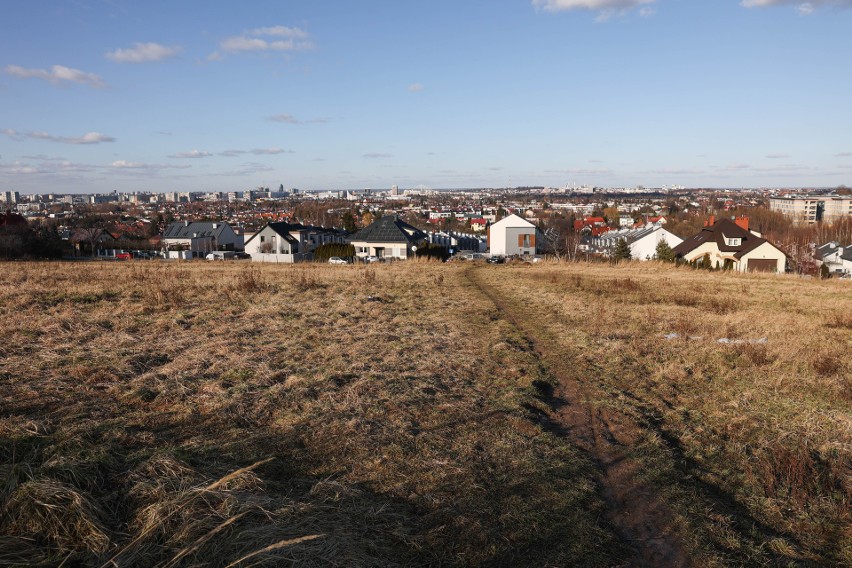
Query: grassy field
[[192, 414]]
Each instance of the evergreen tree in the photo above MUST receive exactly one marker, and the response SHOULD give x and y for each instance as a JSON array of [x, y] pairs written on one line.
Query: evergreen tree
[[622, 250], [664, 252], [349, 222]]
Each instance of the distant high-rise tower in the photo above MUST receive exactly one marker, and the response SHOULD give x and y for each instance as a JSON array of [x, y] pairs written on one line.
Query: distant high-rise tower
[[395, 190]]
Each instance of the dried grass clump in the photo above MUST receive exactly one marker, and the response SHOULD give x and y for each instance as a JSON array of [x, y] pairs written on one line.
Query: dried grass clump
[[56, 515], [840, 320]]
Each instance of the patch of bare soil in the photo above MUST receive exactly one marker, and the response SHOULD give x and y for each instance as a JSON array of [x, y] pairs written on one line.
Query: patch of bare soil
[[635, 508]]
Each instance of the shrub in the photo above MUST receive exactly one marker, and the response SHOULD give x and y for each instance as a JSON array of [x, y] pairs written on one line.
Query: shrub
[[432, 251], [323, 252]]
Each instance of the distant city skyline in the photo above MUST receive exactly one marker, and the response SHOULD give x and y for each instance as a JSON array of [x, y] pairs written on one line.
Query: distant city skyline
[[104, 95]]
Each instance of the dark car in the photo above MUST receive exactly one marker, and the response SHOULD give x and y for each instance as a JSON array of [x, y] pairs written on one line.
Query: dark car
[[496, 260]]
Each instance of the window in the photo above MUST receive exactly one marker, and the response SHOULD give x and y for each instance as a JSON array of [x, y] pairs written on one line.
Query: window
[[526, 241]]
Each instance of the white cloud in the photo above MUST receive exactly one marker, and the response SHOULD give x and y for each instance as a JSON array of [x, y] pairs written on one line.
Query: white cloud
[[676, 171], [270, 151], [844, 155], [57, 74], [125, 165], [606, 8], [247, 169], [87, 138], [290, 119], [143, 53], [583, 171], [804, 8], [44, 157], [286, 118], [192, 154], [415, 88], [266, 39], [777, 156], [256, 152], [280, 31]]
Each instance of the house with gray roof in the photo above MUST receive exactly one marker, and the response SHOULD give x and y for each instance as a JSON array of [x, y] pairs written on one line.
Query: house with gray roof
[[284, 242], [836, 257], [201, 237], [387, 238]]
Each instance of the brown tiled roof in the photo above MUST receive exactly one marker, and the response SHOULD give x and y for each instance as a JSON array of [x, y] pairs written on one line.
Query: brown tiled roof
[[719, 233]]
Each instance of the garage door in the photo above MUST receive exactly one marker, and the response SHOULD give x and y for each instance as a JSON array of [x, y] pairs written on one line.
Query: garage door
[[762, 265]]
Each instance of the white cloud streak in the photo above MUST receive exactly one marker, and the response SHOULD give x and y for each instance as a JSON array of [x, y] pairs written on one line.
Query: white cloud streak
[[256, 152], [415, 88], [58, 74], [275, 38], [285, 118], [125, 165], [192, 154], [606, 8], [290, 119], [143, 53], [87, 138], [804, 8]]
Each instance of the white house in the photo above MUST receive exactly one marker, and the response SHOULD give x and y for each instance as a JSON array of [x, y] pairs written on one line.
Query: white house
[[289, 242], [512, 236], [836, 257], [200, 238], [643, 241]]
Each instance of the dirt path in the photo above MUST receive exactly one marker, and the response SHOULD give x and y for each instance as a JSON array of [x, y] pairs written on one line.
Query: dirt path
[[642, 517]]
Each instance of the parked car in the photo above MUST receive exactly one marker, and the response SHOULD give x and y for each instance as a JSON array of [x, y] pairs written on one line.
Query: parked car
[[220, 255], [337, 260], [242, 255], [124, 256], [496, 260], [369, 259]]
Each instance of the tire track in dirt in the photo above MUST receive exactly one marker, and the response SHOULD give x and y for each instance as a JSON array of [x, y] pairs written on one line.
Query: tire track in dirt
[[636, 509]]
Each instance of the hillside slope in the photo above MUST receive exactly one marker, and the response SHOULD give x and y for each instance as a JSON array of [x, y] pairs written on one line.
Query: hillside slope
[[180, 414]]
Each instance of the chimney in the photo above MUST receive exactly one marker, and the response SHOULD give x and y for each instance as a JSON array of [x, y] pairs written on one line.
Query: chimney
[[186, 223], [742, 222], [710, 222]]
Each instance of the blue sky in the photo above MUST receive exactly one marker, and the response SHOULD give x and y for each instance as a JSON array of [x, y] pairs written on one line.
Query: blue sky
[[102, 95]]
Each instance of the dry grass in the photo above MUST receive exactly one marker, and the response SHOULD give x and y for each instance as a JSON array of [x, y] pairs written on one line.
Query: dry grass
[[751, 437], [185, 414]]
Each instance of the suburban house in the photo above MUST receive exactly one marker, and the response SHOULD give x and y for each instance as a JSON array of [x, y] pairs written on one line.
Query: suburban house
[[729, 244], [836, 257], [512, 236], [200, 238], [388, 237], [284, 242], [643, 241]]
